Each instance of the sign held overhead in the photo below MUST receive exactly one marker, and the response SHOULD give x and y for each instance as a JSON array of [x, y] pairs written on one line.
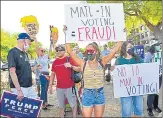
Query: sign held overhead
[[95, 22]]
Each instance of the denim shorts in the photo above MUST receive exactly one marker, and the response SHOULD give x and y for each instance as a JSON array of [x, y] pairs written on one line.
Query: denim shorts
[[132, 105], [93, 97]]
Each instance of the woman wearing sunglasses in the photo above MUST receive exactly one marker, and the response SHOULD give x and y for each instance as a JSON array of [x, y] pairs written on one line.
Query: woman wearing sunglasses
[[43, 63], [93, 98]]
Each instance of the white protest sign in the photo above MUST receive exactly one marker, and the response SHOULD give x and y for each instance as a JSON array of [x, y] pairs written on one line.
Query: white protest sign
[[136, 79], [95, 22], [31, 29]]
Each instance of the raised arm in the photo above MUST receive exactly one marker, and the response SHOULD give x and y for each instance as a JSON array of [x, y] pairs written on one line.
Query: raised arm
[[74, 57], [108, 58], [36, 47], [52, 45]]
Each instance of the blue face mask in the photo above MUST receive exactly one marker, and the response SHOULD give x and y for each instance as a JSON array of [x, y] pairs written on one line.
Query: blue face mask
[[130, 51]]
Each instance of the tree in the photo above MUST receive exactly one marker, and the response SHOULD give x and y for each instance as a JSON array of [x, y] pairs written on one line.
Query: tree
[[9, 41], [31, 51], [138, 13], [73, 45], [82, 50], [111, 44], [148, 13]]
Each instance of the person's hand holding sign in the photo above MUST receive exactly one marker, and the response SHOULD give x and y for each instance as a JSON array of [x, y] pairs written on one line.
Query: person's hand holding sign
[[20, 94], [64, 28], [118, 46]]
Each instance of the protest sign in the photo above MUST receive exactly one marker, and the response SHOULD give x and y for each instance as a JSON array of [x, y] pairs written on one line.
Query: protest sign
[[30, 25], [95, 22], [53, 34], [31, 29], [136, 79], [139, 50], [11, 106]]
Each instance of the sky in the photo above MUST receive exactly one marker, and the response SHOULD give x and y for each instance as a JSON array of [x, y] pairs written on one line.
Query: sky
[[47, 13]]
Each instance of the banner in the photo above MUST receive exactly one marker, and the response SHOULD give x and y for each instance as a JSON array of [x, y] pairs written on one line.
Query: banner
[[11, 106], [30, 25], [139, 50], [95, 22], [136, 79]]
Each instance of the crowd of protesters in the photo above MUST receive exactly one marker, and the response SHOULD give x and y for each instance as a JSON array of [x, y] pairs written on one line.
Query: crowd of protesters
[[93, 64]]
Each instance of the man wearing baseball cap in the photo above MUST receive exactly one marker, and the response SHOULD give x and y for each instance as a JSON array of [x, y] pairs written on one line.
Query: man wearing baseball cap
[[62, 70], [20, 73]]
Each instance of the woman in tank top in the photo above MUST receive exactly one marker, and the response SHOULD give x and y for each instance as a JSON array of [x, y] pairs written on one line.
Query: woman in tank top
[[93, 98]]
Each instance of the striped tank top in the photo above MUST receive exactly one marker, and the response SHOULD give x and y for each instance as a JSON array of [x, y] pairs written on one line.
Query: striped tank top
[[93, 78]]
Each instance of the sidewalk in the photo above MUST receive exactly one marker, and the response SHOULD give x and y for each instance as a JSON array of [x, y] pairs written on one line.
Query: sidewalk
[[112, 108]]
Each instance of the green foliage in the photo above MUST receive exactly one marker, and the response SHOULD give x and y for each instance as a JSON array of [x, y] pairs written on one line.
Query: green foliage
[[138, 12], [52, 55], [9, 41], [31, 51], [73, 45], [111, 44], [82, 50]]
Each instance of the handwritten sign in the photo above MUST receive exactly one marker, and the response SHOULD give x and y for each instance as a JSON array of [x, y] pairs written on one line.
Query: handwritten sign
[[136, 79], [95, 22], [26, 108], [31, 29], [139, 50]]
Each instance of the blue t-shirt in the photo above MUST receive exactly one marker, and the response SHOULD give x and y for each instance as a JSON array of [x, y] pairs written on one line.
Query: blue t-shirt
[[148, 58], [105, 53], [80, 55]]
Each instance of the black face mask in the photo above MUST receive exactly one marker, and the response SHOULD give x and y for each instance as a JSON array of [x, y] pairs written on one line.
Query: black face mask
[[130, 51]]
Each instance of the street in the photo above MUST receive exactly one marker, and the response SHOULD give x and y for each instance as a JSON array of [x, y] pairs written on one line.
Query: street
[[112, 108]]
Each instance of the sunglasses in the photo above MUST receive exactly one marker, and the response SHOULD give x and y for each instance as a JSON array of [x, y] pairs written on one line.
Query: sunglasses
[[59, 50], [42, 50], [90, 51], [31, 40]]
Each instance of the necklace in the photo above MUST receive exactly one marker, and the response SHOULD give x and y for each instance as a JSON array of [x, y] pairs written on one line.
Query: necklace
[[93, 66]]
